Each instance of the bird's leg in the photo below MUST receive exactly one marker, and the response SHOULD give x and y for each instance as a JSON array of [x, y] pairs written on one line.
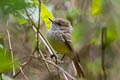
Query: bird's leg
[[54, 56]]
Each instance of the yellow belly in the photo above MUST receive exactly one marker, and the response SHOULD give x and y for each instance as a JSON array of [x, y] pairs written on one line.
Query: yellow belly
[[60, 47]]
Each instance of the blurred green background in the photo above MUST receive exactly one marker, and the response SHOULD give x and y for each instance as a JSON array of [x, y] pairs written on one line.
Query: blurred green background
[[89, 19]]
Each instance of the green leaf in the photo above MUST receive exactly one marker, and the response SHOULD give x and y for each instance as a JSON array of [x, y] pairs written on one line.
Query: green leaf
[[6, 60], [10, 6], [112, 35], [45, 14], [96, 7]]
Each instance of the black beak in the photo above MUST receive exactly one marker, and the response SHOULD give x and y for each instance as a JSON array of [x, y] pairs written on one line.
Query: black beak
[[51, 20]]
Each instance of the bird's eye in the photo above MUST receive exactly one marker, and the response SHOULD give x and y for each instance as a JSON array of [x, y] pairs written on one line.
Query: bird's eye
[[59, 24]]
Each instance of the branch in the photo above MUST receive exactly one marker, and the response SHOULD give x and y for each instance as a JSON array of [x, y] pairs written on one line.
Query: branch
[[61, 69]]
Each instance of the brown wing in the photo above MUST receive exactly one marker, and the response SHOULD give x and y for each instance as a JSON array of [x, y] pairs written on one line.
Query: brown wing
[[67, 37]]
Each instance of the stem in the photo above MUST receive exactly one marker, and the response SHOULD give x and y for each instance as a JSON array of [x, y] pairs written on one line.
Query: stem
[[103, 47], [38, 26], [11, 52]]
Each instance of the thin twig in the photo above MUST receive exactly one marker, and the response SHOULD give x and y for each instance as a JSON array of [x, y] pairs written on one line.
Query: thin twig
[[26, 78], [23, 66], [11, 51], [61, 69], [103, 47]]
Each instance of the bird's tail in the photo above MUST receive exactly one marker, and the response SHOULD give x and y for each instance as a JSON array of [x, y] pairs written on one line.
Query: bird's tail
[[79, 68]]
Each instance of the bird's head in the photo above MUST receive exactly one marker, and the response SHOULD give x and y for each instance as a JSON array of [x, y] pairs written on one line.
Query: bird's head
[[60, 22]]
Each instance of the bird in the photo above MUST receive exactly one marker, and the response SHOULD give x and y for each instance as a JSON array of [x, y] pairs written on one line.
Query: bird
[[59, 37], [60, 27]]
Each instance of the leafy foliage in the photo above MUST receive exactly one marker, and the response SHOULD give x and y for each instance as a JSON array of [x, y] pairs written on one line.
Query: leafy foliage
[[19, 13], [11, 6], [14, 7]]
